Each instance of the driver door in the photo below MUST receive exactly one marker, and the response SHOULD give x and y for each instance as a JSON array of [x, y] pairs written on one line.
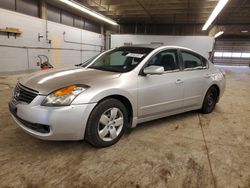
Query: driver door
[[161, 93]]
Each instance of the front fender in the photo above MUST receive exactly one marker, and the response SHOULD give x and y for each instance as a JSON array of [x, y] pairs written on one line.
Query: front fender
[[94, 97]]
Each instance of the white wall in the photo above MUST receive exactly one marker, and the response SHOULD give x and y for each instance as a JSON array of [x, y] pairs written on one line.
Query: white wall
[[201, 44], [21, 53]]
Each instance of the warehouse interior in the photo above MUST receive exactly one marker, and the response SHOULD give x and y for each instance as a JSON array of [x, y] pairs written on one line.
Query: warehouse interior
[[186, 150]]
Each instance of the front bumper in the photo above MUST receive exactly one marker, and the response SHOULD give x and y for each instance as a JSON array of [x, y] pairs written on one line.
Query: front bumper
[[52, 123]]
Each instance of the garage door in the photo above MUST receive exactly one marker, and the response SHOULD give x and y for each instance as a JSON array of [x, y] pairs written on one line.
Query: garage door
[[232, 52]]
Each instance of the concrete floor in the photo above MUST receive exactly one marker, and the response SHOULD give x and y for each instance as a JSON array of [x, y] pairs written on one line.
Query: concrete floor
[[187, 150]]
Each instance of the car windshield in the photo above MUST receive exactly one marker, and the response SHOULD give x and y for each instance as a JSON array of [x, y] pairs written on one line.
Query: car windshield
[[123, 59]]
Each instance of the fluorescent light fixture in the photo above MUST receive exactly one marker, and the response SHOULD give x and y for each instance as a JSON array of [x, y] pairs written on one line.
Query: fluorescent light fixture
[[215, 13], [218, 34], [244, 31], [89, 11]]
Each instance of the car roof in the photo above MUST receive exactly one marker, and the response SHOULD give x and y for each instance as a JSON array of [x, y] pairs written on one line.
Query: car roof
[[159, 45], [156, 45]]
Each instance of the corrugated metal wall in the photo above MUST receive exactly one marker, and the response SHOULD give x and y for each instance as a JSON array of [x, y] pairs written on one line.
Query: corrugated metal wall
[[235, 46]]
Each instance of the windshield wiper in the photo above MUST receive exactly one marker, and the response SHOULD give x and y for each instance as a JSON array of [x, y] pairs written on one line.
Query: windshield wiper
[[105, 69], [78, 65]]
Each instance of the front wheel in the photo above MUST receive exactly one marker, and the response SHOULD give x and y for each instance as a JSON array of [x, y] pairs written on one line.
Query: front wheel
[[106, 123], [210, 100]]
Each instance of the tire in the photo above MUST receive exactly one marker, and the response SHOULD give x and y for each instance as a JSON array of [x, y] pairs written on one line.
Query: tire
[[210, 100], [106, 123]]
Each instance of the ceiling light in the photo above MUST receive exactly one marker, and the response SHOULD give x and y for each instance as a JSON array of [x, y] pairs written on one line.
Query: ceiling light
[[244, 31], [215, 13], [89, 11], [218, 34]]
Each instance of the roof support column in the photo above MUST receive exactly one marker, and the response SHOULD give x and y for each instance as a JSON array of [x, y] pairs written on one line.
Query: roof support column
[[43, 9]]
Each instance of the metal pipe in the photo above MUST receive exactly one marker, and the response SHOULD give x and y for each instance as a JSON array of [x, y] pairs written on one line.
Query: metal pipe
[[47, 31], [45, 48]]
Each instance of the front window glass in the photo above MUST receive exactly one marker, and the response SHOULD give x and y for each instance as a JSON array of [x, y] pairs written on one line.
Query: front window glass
[[166, 59], [121, 59]]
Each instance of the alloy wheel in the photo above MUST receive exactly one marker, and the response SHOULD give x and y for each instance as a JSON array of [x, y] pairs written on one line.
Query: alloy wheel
[[110, 124]]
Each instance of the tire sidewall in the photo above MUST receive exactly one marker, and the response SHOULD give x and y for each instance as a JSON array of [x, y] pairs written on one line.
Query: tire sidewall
[[205, 108]]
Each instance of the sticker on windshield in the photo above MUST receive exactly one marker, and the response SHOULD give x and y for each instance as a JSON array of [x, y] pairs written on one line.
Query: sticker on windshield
[[135, 55]]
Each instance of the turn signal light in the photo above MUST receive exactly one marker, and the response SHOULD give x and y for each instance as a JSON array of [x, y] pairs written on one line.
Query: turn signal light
[[64, 91]]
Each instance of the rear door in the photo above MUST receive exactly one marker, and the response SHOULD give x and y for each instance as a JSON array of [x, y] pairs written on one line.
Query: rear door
[[195, 77], [161, 93]]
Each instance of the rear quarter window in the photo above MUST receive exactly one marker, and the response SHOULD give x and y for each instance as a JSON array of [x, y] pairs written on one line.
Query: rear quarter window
[[193, 61], [204, 63]]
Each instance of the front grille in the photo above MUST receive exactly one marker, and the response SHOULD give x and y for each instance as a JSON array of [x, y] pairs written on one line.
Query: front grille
[[22, 93]]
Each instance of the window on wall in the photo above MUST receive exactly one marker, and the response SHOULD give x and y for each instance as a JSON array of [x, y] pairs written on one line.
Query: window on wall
[[61, 16], [245, 55], [8, 4], [78, 22], [232, 54], [67, 18], [54, 14], [218, 54], [236, 54], [227, 54], [29, 7], [92, 26]]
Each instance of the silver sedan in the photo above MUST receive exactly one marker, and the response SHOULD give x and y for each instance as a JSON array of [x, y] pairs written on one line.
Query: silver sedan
[[115, 90]]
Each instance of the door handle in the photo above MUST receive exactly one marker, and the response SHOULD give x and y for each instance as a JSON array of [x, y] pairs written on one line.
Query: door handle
[[179, 81]]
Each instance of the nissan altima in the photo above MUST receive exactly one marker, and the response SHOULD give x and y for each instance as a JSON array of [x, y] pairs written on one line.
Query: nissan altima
[[115, 90]]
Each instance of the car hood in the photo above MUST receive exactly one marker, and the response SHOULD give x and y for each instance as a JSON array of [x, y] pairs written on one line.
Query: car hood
[[48, 81]]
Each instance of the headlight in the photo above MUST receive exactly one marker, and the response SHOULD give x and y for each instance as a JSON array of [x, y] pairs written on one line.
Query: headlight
[[63, 96]]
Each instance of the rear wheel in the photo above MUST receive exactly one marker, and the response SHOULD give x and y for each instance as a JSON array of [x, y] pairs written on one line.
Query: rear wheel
[[106, 123], [210, 100]]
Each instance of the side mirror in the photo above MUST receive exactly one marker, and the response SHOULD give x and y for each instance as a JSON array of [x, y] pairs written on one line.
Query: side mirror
[[153, 69]]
